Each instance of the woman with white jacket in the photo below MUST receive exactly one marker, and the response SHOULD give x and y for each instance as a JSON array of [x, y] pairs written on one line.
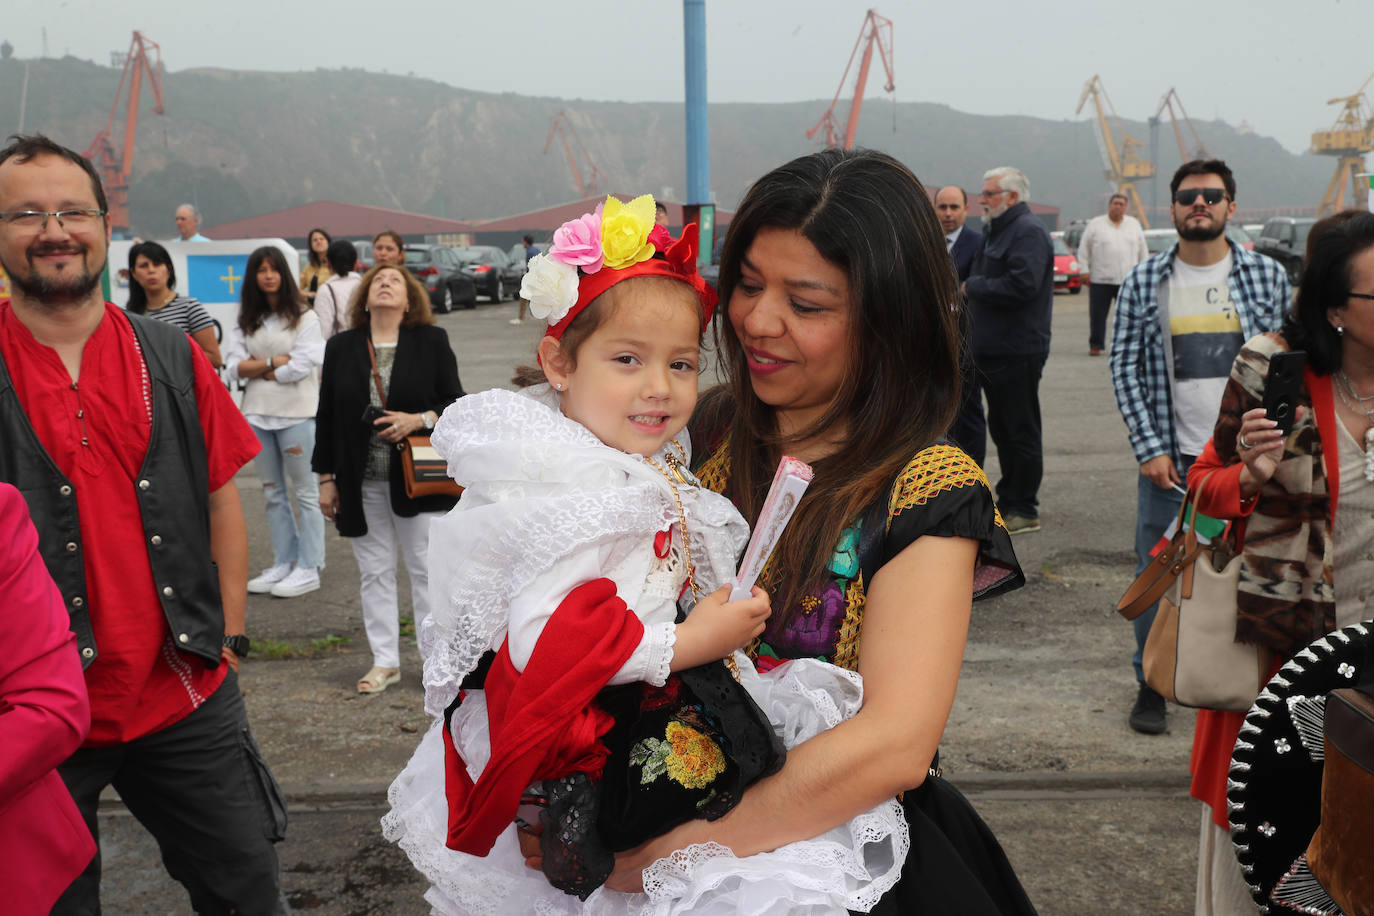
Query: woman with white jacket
[[276, 348]]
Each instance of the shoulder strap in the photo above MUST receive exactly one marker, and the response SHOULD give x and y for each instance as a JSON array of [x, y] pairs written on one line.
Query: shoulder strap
[[376, 376]]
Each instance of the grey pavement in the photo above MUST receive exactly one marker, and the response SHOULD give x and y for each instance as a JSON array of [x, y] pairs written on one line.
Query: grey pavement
[[1095, 818]]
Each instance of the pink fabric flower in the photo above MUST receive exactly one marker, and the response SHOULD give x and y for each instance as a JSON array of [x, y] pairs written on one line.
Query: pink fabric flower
[[578, 242]]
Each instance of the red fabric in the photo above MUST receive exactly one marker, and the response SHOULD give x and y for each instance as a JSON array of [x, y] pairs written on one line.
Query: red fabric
[[543, 722], [679, 262], [139, 683], [44, 714]]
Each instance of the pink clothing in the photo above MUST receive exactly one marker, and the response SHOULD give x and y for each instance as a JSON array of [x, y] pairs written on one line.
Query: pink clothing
[[44, 716]]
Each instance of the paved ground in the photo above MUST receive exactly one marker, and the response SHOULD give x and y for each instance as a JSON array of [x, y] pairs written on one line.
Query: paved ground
[[1095, 817]]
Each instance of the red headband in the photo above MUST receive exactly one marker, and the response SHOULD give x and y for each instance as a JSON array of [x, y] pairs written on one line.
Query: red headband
[[678, 261]]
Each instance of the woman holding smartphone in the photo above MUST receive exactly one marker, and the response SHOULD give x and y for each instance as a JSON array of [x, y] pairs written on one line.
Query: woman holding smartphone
[[1305, 566]]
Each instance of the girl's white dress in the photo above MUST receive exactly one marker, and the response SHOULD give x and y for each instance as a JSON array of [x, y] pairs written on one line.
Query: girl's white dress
[[548, 507]]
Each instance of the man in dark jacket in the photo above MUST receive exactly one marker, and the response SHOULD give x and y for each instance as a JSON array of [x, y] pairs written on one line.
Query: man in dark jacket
[[970, 429], [1011, 292]]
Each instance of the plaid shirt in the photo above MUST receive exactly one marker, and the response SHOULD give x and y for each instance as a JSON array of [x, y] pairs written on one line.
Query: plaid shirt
[[1140, 375]]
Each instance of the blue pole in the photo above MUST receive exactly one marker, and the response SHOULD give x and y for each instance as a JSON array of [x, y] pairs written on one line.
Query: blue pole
[[694, 62]]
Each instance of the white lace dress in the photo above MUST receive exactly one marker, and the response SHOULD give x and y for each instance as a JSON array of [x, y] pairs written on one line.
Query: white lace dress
[[546, 508]]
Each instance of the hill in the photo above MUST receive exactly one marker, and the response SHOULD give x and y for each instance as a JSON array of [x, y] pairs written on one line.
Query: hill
[[242, 143]]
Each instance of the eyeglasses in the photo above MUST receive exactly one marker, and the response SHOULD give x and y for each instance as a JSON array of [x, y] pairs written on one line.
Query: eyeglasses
[[1210, 196], [992, 193], [1359, 295], [38, 219]]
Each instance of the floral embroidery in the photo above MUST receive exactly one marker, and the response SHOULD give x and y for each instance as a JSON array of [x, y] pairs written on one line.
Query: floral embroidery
[[685, 755]]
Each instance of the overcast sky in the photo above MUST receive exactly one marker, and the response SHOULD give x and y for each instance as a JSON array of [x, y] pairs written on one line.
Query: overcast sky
[[1271, 63]]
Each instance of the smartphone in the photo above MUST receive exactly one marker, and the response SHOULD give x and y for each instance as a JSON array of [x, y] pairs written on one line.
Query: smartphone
[[371, 414], [1282, 387]]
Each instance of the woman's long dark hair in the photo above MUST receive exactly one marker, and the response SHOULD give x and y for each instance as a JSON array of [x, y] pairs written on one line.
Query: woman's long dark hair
[[1326, 280], [315, 259], [138, 296], [253, 305], [867, 214]]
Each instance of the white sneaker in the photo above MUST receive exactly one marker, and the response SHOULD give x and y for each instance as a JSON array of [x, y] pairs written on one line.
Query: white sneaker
[[269, 577], [300, 581]]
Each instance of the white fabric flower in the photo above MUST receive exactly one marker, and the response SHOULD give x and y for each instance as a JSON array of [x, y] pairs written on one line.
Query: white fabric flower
[[551, 288]]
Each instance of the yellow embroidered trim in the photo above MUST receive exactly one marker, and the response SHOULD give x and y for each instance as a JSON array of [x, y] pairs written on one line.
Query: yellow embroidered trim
[[714, 472], [933, 471], [847, 641]]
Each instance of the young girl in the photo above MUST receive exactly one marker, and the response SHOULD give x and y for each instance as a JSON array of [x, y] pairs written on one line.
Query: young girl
[[275, 347], [602, 720]]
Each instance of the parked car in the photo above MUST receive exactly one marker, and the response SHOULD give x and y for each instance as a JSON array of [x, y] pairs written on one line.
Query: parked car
[[1157, 240], [365, 260], [1241, 236], [1284, 238], [1073, 234], [440, 270], [1067, 274], [491, 270]]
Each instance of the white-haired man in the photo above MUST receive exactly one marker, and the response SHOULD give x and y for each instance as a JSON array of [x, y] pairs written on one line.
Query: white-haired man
[[188, 224], [1010, 292]]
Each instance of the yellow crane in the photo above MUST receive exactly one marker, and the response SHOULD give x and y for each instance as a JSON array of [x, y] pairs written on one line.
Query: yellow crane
[[1121, 161], [1349, 138], [1199, 151]]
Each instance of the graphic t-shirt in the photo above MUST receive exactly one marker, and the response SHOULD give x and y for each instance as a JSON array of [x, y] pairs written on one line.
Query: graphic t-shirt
[[1206, 335]]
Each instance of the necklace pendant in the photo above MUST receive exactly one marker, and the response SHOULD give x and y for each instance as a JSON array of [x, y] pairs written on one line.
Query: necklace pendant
[[679, 471]]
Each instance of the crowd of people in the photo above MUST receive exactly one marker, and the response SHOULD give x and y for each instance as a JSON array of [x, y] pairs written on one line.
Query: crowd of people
[[599, 698]]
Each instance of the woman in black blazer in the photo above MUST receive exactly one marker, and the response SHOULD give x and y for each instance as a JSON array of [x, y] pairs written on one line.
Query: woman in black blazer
[[357, 429]]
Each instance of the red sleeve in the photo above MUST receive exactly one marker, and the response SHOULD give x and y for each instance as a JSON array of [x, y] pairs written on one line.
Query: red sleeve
[[44, 712], [229, 440], [1218, 495]]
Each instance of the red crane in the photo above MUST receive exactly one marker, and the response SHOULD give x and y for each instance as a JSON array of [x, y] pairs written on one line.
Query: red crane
[[876, 30], [562, 126], [113, 165]]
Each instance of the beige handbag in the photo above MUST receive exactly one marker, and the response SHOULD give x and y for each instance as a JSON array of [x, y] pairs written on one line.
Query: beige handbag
[[1191, 655]]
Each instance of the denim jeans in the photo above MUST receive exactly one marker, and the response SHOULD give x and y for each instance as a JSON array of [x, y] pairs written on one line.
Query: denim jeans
[[286, 454], [1155, 510]]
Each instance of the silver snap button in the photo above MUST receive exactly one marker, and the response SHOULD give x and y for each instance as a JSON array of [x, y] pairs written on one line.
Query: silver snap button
[[78, 601], [65, 490], [167, 590], [144, 484], [87, 652], [71, 547], [183, 638], [156, 539]]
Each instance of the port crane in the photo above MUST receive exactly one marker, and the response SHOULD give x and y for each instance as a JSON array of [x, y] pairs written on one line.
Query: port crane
[[876, 32], [1349, 139], [1168, 103], [115, 165], [1121, 161], [561, 125]]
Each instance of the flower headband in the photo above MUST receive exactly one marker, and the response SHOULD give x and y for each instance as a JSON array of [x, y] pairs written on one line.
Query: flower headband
[[597, 250]]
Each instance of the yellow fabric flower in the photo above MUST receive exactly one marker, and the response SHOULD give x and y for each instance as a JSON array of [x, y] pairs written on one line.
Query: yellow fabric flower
[[695, 760], [625, 231]]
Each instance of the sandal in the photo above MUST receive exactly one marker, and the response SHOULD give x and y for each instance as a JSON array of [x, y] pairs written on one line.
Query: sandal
[[378, 679]]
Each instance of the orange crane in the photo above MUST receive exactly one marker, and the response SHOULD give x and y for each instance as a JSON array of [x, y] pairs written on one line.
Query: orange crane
[[1199, 151], [562, 125], [115, 166], [876, 31], [1124, 166], [1349, 138]]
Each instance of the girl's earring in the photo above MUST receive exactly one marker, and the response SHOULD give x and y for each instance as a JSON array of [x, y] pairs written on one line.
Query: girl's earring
[[1340, 329], [557, 386]]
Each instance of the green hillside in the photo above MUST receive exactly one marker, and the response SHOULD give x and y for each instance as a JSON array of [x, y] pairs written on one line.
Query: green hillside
[[242, 143]]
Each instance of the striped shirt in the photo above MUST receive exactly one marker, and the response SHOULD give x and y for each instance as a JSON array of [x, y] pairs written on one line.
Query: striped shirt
[[1142, 369], [184, 312]]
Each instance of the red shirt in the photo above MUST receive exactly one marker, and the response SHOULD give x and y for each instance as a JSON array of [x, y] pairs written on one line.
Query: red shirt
[[96, 430]]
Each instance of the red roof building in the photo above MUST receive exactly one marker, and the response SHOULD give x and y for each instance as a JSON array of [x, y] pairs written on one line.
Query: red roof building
[[340, 221]]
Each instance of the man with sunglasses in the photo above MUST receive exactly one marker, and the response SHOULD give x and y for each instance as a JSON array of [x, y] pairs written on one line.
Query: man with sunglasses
[[124, 444], [1181, 318]]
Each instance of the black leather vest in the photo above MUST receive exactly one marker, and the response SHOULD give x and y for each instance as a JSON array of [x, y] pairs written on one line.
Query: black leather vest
[[172, 491]]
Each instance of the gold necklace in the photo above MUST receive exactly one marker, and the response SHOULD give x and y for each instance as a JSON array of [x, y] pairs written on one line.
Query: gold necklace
[[676, 473]]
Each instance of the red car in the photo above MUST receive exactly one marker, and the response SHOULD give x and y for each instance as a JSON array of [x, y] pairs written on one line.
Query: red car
[[1067, 274]]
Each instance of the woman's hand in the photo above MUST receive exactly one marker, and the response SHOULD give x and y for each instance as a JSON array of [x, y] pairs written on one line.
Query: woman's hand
[[628, 875], [329, 499], [394, 425], [1260, 446]]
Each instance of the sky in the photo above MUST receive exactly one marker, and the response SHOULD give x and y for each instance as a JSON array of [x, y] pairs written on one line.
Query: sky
[[1270, 63]]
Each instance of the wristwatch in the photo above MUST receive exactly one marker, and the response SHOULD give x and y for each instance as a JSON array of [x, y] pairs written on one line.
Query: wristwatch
[[238, 644], [425, 416]]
